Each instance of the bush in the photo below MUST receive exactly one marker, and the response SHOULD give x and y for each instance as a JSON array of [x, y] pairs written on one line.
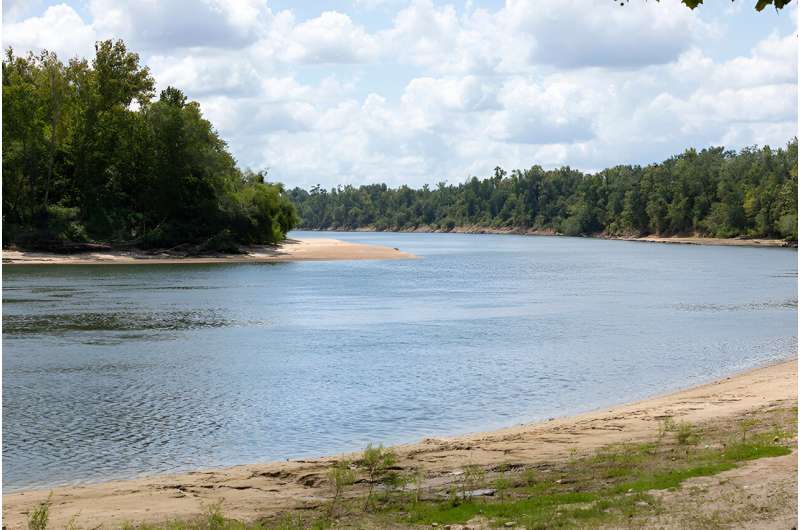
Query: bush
[[787, 226], [63, 224], [377, 461], [340, 476]]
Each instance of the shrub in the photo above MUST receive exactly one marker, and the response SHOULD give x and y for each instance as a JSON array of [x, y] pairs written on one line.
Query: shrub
[[686, 433], [63, 224], [340, 476], [377, 461]]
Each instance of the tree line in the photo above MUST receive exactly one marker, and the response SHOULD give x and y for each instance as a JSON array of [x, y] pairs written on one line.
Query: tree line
[[713, 192], [89, 154]]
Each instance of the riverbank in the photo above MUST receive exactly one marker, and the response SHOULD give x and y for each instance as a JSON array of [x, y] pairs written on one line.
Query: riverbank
[[265, 490], [311, 249], [684, 240]]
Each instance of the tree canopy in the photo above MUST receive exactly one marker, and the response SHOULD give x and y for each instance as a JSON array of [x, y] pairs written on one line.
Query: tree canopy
[[89, 154], [760, 4], [712, 192]]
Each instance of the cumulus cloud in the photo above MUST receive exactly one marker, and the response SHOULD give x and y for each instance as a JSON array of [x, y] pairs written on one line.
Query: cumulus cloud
[[421, 91], [583, 33], [436, 38], [329, 38], [59, 29], [169, 24]]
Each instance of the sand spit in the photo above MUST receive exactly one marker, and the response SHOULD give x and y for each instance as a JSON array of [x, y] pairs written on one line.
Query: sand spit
[[310, 249]]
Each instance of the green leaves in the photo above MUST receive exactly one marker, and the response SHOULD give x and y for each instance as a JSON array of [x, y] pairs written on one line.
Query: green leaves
[[88, 155], [760, 4], [712, 192]]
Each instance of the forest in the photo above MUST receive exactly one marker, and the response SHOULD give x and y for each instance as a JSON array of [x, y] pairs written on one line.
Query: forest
[[90, 155], [713, 192]]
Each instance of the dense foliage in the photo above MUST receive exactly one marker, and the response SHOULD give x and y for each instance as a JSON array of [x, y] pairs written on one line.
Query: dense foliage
[[89, 154], [712, 192]]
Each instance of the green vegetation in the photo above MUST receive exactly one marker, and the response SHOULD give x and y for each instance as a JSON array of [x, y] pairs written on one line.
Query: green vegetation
[[40, 515], [89, 155], [760, 4], [619, 485], [713, 192], [377, 463], [614, 485], [340, 476]]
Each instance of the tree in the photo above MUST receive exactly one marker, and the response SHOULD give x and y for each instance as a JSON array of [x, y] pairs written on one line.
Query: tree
[[752, 193], [88, 155]]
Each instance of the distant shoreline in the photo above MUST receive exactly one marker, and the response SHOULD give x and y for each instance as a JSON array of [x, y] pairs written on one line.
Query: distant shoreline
[[258, 490], [311, 249], [682, 240]]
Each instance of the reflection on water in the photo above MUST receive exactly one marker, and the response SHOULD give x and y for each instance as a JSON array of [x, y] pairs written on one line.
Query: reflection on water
[[110, 372]]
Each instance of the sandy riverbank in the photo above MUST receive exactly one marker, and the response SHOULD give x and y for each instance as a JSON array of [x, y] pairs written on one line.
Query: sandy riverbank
[[727, 242], [258, 490], [310, 249], [686, 240]]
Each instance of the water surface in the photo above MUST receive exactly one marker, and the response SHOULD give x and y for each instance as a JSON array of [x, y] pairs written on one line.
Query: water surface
[[116, 371]]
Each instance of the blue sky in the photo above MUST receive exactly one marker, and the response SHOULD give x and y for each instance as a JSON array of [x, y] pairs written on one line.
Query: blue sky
[[422, 91]]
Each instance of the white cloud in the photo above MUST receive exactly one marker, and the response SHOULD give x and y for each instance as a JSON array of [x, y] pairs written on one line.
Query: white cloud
[[437, 39], [559, 110], [211, 73], [431, 102], [581, 33], [329, 38], [169, 24], [439, 91], [59, 29]]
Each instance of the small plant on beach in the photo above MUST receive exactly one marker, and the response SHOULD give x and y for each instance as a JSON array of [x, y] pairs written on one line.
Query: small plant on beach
[[502, 483], [72, 524], [453, 498], [394, 482], [377, 463], [340, 476], [573, 455], [664, 426], [417, 478], [474, 478], [38, 517], [686, 434], [529, 477], [745, 426], [214, 519], [290, 522]]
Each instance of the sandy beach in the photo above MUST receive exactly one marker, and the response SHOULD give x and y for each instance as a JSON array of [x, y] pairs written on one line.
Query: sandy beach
[[311, 249], [261, 490], [714, 241]]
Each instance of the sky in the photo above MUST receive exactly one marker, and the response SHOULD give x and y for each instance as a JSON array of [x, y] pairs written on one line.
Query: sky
[[421, 91]]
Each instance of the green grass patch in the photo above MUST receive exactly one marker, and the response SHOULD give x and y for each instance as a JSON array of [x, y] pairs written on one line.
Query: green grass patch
[[609, 488], [742, 452], [532, 507], [672, 478]]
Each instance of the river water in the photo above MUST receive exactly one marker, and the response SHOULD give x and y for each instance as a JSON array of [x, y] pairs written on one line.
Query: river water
[[117, 371]]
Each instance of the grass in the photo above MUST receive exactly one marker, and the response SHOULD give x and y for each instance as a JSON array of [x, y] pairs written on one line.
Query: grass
[[38, 517], [623, 477], [615, 486]]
